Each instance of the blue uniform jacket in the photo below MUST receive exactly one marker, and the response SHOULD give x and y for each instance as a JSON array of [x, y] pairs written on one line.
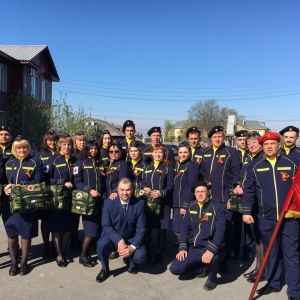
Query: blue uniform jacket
[[197, 155], [104, 156], [161, 178], [130, 228], [60, 169], [186, 173], [202, 227], [137, 172], [147, 157], [294, 154], [26, 171], [45, 157], [114, 172], [89, 175], [222, 169], [268, 185]]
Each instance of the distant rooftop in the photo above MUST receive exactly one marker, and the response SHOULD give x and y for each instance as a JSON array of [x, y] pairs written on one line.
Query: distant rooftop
[[22, 52], [180, 124], [254, 125]]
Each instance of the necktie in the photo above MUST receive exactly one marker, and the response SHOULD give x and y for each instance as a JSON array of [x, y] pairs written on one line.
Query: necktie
[[124, 209]]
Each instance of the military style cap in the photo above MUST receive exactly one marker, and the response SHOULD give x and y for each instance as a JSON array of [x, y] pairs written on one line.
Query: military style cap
[[154, 129], [192, 129], [289, 128], [6, 128], [135, 144], [128, 123], [19, 138], [215, 129], [197, 184], [241, 133], [269, 136]]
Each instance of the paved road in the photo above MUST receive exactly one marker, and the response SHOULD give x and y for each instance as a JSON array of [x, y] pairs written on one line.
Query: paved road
[[47, 281]]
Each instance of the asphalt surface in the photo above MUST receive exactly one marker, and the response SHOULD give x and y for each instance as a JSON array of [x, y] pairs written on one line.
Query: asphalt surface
[[47, 281]]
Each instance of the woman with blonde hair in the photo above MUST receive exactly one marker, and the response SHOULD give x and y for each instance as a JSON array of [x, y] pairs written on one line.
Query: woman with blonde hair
[[158, 180], [20, 170]]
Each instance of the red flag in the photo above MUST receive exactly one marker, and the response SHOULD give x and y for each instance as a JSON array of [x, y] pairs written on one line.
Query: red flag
[[292, 201]]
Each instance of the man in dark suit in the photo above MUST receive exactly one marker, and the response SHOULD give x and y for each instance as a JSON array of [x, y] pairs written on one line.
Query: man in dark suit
[[123, 221]]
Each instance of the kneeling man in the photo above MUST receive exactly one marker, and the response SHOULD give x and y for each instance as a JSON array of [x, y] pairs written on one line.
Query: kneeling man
[[123, 221], [201, 236]]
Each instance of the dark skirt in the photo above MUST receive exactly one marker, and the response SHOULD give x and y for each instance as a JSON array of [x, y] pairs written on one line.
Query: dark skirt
[[177, 219], [92, 225], [25, 224], [161, 221], [61, 220]]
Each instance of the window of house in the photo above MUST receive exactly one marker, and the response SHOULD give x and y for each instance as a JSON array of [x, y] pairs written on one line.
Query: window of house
[[44, 90], [3, 78], [35, 87]]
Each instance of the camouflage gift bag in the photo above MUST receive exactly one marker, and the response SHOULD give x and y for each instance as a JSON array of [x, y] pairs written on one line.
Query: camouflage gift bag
[[60, 197], [25, 198], [84, 204], [235, 202], [153, 206]]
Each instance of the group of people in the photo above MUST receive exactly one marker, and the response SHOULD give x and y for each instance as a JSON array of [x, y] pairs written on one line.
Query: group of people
[[196, 188]]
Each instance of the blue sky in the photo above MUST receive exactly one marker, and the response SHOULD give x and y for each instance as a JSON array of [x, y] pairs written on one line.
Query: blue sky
[[152, 60]]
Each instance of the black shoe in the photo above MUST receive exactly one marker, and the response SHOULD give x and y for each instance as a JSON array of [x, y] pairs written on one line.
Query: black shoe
[[252, 279], [267, 289], [93, 260], [68, 259], [132, 270], [103, 275], [209, 286], [61, 263], [224, 267], [86, 261], [250, 274], [13, 271], [113, 255], [23, 269]]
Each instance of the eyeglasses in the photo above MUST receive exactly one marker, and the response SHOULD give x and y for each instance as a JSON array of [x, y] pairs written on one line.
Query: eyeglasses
[[114, 151]]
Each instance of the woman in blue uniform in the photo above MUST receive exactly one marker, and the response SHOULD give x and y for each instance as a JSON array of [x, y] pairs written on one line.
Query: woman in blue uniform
[[88, 177], [159, 182], [61, 222], [115, 170], [186, 173], [21, 169], [105, 141], [48, 149], [136, 165], [79, 140]]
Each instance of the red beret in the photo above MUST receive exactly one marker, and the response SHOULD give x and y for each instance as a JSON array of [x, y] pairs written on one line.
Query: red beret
[[269, 136]]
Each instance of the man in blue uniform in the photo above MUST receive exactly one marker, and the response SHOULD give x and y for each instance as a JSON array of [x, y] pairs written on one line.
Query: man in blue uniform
[[290, 135], [220, 167], [193, 135], [241, 146], [155, 137], [5, 142], [202, 232], [268, 182], [124, 222], [129, 130]]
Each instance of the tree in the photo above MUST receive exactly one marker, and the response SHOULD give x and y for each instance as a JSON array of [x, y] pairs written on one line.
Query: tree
[[28, 117], [168, 131], [207, 114]]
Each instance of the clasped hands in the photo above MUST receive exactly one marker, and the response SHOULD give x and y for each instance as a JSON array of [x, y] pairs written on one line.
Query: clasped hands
[[124, 250]]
